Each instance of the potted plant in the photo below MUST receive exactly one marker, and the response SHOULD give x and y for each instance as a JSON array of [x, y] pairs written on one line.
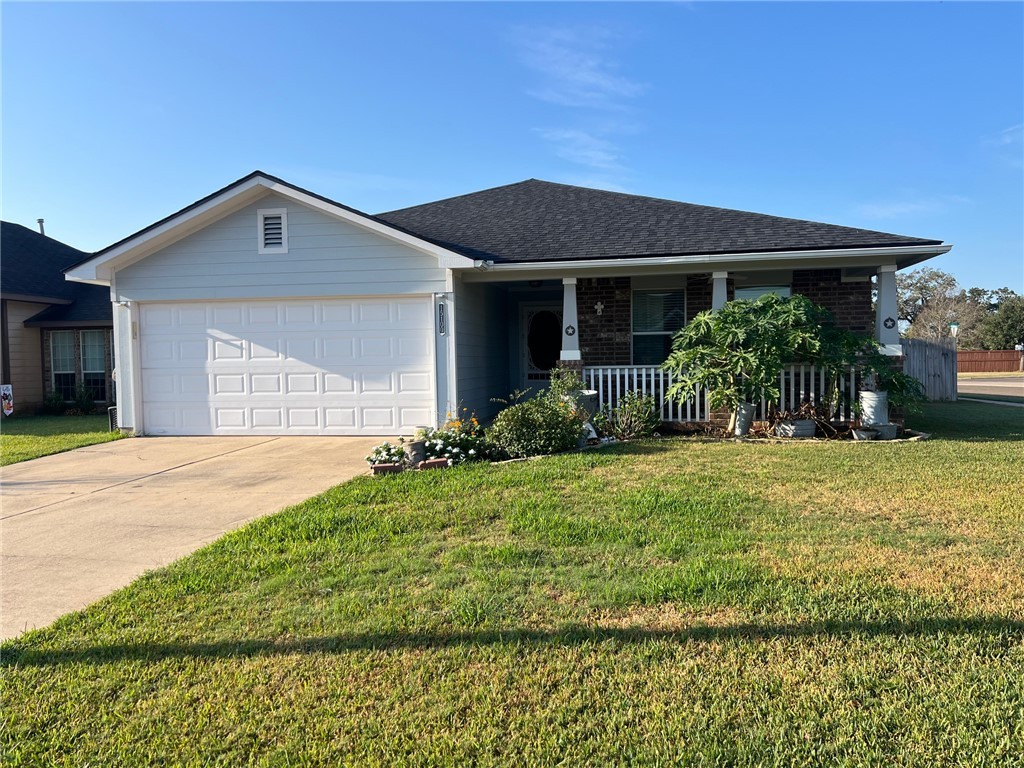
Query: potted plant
[[883, 388], [387, 459], [737, 352], [802, 422]]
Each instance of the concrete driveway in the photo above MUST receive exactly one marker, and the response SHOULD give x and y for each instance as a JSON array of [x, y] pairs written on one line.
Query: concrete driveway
[[78, 525]]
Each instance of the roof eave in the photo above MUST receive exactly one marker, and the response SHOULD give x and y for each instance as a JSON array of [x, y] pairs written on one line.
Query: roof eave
[[902, 256]]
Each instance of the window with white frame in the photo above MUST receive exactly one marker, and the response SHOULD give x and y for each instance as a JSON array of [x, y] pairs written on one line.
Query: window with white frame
[[757, 291], [657, 316], [273, 230], [62, 363], [94, 368]]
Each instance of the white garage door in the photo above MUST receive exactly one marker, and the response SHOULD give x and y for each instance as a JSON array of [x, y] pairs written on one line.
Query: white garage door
[[300, 367]]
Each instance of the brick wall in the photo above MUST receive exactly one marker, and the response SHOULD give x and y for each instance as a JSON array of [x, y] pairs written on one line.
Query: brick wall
[[605, 339], [849, 303], [698, 294]]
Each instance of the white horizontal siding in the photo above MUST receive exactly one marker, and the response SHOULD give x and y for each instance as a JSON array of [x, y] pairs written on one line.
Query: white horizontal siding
[[326, 257], [481, 333]]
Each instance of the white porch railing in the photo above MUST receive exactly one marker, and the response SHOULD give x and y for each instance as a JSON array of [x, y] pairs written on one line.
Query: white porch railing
[[798, 384], [612, 382]]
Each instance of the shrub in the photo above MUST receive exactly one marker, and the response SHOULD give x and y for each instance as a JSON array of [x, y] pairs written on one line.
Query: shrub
[[460, 439], [53, 404], [635, 417], [386, 453], [547, 423], [84, 400]]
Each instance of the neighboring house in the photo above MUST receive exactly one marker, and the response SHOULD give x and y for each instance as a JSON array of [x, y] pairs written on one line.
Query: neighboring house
[[55, 334], [267, 309]]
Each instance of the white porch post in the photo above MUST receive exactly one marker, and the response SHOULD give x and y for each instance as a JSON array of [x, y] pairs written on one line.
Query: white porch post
[[719, 290], [570, 322], [887, 330]]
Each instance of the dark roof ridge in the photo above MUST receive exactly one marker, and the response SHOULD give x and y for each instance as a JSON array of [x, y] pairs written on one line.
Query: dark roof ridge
[[470, 194]]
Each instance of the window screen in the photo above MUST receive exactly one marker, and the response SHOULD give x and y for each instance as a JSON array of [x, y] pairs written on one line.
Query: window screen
[[94, 374], [62, 363], [657, 315]]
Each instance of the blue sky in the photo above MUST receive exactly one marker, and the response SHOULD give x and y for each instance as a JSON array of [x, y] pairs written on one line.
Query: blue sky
[[904, 118]]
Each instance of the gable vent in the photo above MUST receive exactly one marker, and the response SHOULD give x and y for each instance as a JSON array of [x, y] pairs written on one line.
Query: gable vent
[[273, 232]]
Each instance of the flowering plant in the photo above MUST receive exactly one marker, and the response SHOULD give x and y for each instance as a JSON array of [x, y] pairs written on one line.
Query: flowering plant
[[460, 439], [386, 453]]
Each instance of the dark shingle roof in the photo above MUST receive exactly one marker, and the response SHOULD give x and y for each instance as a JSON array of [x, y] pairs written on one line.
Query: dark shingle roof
[[32, 265], [90, 307], [541, 221]]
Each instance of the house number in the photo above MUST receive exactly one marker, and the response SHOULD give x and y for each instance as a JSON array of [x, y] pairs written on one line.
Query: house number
[[570, 330], [441, 322]]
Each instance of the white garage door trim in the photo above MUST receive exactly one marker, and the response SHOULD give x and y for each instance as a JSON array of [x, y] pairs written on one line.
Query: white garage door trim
[[346, 366]]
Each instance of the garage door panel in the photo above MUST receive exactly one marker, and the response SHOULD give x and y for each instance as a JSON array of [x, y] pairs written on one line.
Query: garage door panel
[[231, 418], [301, 383], [300, 317], [339, 314], [265, 384], [339, 384], [266, 315], [350, 366], [410, 418], [301, 349], [374, 314], [341, 418], [414, 383], [267, 418]]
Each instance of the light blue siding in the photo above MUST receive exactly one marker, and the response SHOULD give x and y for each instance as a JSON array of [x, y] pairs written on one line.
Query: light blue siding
[[481, 346], [326, 257]]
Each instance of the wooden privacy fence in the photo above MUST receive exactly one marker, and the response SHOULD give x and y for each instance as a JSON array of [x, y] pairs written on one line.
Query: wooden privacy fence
[[989, 360], [798, 384], [933, 363]]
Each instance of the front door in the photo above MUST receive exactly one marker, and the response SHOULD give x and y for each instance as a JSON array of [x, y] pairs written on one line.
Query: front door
[[540, 343]]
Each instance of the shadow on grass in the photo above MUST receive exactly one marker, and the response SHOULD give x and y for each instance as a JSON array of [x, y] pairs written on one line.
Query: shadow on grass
[[572, 636], [50, 426]]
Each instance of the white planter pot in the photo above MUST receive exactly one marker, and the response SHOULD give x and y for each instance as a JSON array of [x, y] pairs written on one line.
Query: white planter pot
[[874, 408], [864, 434], [744, 417]]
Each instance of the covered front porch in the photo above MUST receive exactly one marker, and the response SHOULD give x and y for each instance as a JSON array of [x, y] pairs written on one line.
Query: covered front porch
[[616, 330]]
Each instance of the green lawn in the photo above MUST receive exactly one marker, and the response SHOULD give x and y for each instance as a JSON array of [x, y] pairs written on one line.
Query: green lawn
[[29, 437], [674, 602]]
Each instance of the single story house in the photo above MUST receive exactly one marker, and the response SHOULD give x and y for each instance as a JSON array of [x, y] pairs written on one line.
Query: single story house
[[54, 335], [265, 308]]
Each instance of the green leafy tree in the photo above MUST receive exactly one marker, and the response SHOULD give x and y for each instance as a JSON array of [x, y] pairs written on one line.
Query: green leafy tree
[[1005, 328], [737, 352]]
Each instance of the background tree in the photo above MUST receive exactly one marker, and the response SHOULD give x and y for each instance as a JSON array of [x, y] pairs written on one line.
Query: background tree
[[917, 288], [1005, 327], [933, 320], [928, 300]]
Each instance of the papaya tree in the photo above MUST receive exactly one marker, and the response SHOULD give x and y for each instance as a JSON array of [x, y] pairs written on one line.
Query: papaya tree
[[737, 352]]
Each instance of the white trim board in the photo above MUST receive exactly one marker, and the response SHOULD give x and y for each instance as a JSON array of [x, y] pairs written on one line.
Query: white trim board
[[98, 269]]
